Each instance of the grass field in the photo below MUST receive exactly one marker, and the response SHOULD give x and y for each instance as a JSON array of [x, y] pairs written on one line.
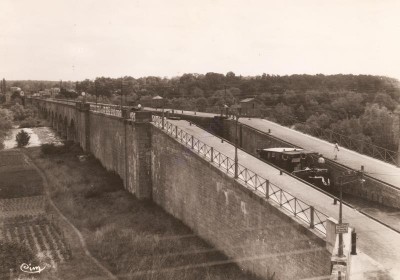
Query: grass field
[[22, 236], [30, 232], [133, 239], [17, 178]]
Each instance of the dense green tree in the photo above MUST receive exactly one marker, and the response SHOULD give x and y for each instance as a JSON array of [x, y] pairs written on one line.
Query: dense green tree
[[6, 122], [336, 102], [384, 99], [22, 138], [378, 123], [21, 113], [201, 103], [284, 114], [319, 121]]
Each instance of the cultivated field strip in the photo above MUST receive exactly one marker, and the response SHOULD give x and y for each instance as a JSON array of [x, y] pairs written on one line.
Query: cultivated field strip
[[23, 206], [42, 237]]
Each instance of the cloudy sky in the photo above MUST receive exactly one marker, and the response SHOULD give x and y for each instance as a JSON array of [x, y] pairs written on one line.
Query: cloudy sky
[[77, 39]]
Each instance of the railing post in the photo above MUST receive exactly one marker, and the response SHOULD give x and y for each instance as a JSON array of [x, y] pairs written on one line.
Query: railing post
[[311, 216], [280, 198], [353, 242], [267, 189], [192, 143], [176, 131], [212, 154], [295, 206]]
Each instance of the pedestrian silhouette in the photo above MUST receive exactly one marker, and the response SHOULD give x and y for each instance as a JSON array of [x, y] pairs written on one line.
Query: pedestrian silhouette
[[336, 150]]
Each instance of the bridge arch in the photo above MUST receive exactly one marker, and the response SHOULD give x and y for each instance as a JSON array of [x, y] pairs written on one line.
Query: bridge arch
[[60, 124], [71, 131], [65, 128], [52, 120], [47, 114]]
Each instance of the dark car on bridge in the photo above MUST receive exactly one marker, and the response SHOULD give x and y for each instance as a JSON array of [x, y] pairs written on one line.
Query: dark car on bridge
[[299, 162]]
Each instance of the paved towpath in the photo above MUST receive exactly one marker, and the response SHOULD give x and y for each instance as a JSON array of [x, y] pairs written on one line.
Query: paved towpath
[[378, 244]]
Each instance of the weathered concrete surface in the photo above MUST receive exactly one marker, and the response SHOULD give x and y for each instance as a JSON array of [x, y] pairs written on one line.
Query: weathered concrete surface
[[234, 219]]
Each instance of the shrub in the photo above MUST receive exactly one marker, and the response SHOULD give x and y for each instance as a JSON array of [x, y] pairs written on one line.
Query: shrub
[[51, 149], [48, 149], [22, 138], [21, 113], [29, 122]]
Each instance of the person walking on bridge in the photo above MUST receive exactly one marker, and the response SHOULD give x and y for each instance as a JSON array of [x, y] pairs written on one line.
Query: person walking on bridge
[[336, 151]]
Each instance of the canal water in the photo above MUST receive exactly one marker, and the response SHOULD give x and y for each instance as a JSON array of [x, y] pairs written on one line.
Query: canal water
[[39, 136]]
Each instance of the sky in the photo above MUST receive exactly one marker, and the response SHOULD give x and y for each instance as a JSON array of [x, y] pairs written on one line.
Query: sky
[[79, 39]]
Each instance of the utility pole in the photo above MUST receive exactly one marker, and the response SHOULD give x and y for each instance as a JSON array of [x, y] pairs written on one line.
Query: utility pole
[[398, 149], [355, 176], [95, 91], [340, 252], [236, 148], [163, 117], [121, 92]]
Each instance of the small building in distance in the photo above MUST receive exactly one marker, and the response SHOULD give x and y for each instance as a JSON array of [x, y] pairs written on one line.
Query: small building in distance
[[54, 92], [250, 107], [15, 89]]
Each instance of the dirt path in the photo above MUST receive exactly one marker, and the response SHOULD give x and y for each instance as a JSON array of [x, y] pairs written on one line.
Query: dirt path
[[65, 219]]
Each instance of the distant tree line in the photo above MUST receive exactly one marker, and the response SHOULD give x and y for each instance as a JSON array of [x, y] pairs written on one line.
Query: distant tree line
[[361, 106], [31, 86]]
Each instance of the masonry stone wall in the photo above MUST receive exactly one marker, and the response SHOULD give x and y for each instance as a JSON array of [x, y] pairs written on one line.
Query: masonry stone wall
[[107, 142], [255, 234], [123, 146]]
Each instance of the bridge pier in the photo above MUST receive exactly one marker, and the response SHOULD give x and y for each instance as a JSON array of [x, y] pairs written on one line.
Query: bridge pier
[[83, 116], [143, 142]]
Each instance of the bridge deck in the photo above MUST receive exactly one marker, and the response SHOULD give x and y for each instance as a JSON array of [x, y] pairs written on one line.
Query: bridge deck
[[376, 242], [374, 168]]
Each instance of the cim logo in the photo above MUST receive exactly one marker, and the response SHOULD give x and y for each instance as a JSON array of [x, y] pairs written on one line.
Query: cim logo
[[28, 268]]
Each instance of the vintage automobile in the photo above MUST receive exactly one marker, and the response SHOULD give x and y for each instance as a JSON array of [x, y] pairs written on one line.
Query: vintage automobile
[[299, 162]]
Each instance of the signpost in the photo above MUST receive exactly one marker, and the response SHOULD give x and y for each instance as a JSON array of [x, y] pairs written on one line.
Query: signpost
[[342, 228]]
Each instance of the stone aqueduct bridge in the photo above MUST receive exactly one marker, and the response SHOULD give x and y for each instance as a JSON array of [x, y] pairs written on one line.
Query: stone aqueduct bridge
[[256, 233]]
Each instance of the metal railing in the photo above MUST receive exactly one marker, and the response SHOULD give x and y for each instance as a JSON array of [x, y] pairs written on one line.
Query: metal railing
[[293, 205], [357, 145], [109, 109]]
